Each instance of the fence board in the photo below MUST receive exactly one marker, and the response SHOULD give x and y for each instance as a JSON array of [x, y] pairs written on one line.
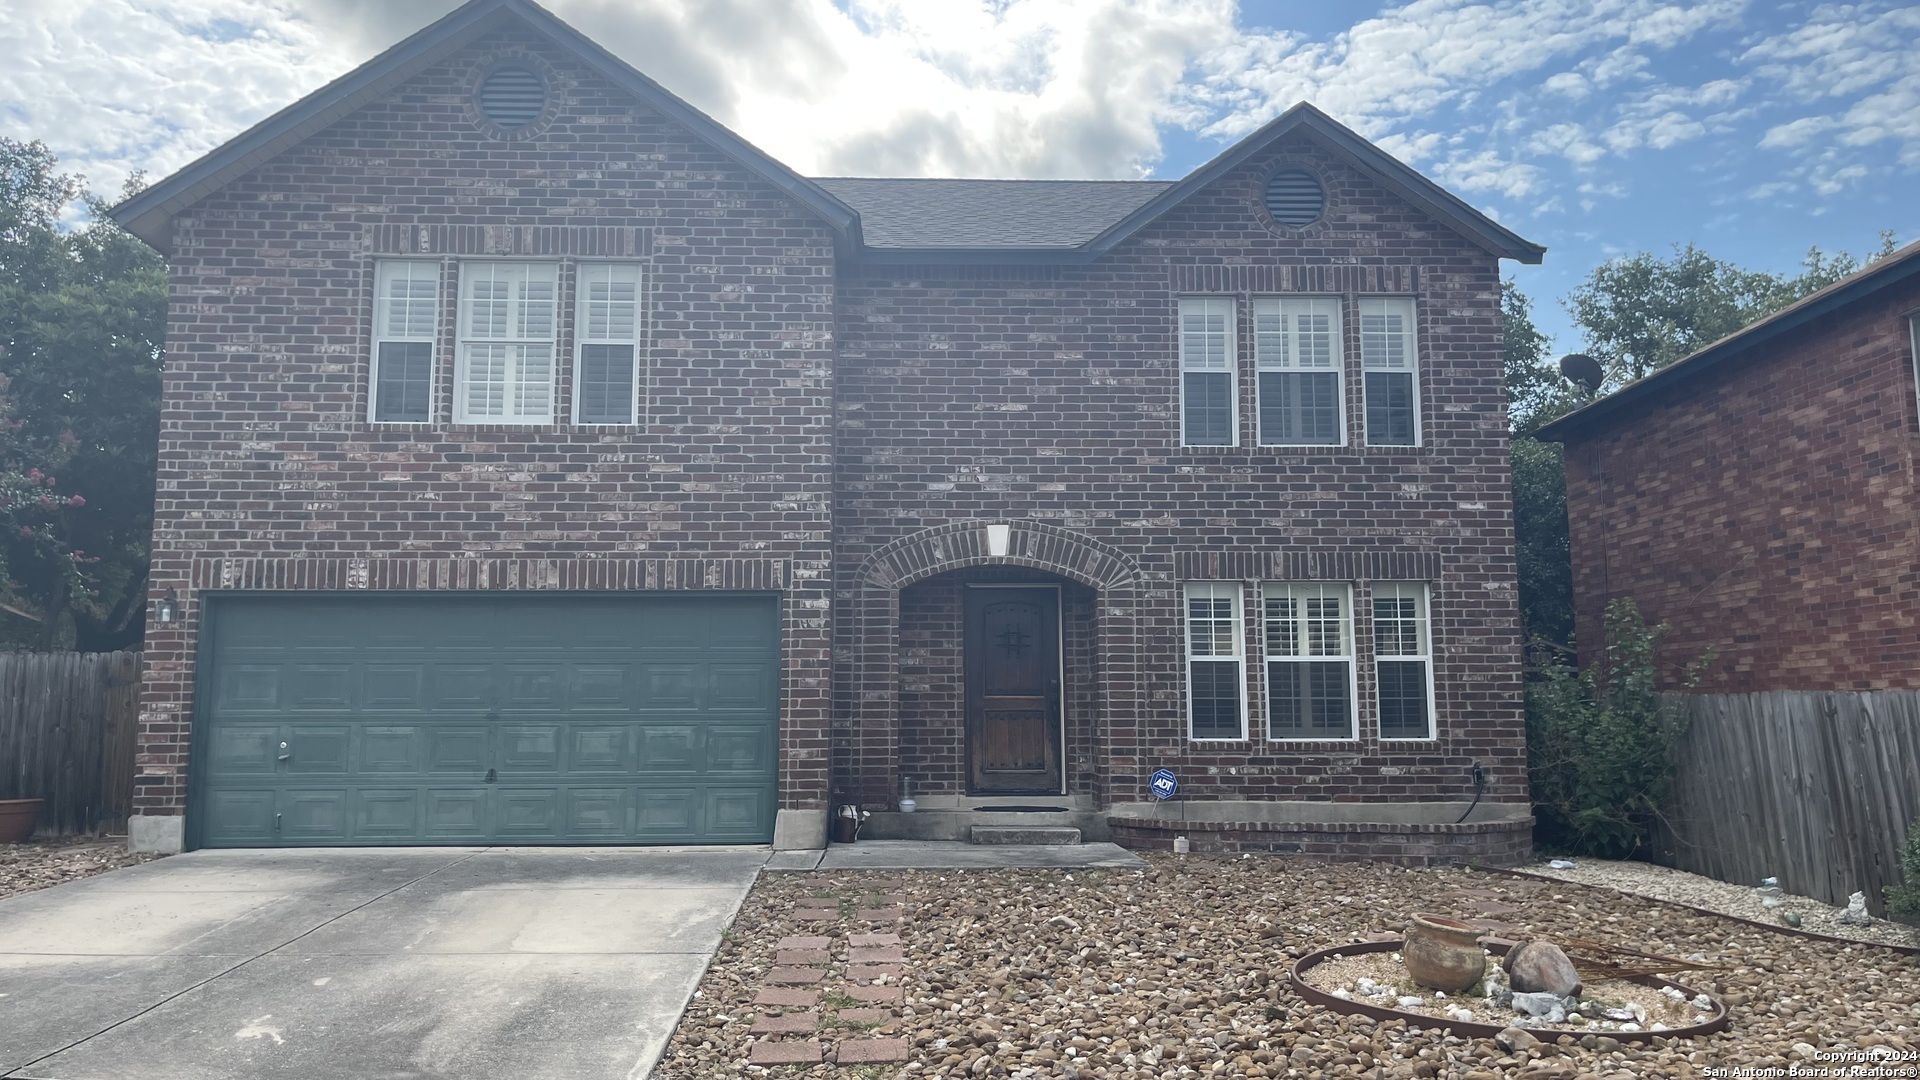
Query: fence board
[[67, 726], [1814, 788]]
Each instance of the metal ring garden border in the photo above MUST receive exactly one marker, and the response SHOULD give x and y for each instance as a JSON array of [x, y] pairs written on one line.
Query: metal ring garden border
[[1467, 1027]]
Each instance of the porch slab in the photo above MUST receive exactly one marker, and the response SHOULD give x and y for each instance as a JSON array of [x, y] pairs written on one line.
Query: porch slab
[[955, 855]]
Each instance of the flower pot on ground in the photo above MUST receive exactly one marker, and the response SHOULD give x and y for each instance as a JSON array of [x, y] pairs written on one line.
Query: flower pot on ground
[[17, 818], [1443, 954]]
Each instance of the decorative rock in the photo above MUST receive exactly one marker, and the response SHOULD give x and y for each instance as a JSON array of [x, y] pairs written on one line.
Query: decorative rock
[[1549, 1007], [1516, 1040], [1541, 967]]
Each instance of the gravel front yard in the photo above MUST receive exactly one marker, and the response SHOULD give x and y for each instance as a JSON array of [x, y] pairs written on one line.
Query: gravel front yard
[[26, 867], [1180, 970], [1684, 888]]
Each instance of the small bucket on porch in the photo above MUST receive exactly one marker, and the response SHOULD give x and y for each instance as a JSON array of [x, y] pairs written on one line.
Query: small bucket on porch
[[846, 825]]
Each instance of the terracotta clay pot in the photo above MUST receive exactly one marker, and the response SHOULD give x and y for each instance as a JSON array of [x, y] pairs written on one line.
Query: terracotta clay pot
[[17, 817], [1443, 954]]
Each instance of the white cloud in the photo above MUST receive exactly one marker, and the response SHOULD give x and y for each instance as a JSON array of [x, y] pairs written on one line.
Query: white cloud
[[1569, 140], [1569, 84], [1484, 170], [116, 86], [1860, 51]]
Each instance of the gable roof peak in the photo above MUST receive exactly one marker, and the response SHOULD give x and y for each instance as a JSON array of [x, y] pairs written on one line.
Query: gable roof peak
[[150, 213], [1356, 150]]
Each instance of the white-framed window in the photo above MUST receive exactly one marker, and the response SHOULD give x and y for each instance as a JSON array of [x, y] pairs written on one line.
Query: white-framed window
[[508, 325], [1390, 366], [406, 323], [1216, 662], [1299, 359], [607, 348], [1403, 659], [1208, 396], [1309, 649], [1913, 337]]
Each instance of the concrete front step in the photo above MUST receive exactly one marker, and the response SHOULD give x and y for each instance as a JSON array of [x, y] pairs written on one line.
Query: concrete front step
[[1024, 834], [958, 825]]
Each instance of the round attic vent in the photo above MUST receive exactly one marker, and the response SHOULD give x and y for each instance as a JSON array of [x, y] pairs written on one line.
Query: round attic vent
[[1295, 197], [512, 97]]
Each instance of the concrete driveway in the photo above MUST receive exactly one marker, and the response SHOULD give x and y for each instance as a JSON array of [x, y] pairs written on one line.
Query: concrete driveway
[[364, 963]]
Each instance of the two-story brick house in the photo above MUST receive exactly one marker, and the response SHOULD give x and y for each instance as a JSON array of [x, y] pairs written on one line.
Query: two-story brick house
[[543, 463]]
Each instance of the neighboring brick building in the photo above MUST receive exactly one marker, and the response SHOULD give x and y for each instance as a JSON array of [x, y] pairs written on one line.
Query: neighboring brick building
[[542, 463], [1759, 496]]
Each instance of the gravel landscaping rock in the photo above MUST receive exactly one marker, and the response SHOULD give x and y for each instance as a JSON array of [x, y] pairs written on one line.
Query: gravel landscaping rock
[[26, 867], [1666, 883], [1181, 971]]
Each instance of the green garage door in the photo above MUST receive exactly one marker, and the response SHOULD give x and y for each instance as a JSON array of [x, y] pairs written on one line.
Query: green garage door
[[512, 719]]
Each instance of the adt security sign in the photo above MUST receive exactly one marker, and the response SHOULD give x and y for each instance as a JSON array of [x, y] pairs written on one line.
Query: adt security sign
[[1163, 784]]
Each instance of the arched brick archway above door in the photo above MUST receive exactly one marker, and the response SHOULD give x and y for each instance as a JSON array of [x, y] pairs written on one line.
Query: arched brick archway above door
[[1032, 544], [872, 730]]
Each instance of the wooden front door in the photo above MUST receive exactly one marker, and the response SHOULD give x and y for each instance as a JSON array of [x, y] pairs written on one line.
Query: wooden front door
[[1012, 648]]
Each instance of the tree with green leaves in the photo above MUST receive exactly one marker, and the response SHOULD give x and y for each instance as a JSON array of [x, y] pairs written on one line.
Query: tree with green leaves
[[1641, 312], [82, 320], [1536, 393]]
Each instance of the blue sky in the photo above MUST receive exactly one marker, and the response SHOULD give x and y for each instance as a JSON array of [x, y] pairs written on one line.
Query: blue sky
[[1596, 127]]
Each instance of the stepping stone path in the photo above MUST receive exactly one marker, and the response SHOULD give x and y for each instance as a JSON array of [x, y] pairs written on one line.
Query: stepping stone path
[[832, 993]]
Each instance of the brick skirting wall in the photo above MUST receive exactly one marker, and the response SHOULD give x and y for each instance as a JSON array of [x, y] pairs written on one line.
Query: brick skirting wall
[[1501, 843]]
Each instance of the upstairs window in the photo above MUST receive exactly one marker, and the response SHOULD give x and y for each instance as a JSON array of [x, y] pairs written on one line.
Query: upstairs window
[[1403, 657], [1309, 661], [406, 318], [1389, 364], [508, 326], [1208, 401], [1216, 662], [1297, 351], [608, 327]]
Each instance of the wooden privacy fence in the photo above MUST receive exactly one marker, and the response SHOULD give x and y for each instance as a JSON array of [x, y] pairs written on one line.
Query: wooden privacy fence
[[67, 727], [1814, 788]]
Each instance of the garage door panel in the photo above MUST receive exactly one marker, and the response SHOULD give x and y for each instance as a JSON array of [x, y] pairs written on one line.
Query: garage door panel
[[313, 748], [248, 686], [600, 748], [320, 688], [741, 688], [535, 687], [599, 686], [458, 813], [466, 688], [735, 812], [596, 812], [387, 814], [528, 813], [395, 687], [668, 749], [530, 747], [392, 749], [665, 813], [241, 815], [739, 749], [463, 749], [669, 687], [407, 719], [244, 749], [313, 814]]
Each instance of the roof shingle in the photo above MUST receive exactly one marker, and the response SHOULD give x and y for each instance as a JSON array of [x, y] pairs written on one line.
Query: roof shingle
[[1022, 214]]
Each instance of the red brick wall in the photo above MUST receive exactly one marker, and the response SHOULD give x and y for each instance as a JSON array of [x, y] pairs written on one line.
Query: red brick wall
[[1051, 395], [1766, 511], [270, 476]]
